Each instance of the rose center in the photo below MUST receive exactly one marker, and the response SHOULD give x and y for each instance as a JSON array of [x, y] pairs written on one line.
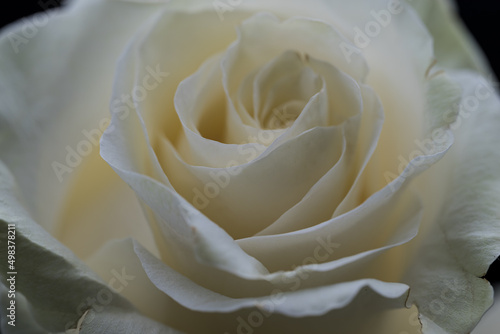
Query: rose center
[[281, 90], [284, 115]]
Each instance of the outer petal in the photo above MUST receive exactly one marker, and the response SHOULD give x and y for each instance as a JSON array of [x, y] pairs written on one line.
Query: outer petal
[[301, 303], [53, 288], [491, 320], [55, 88], [465, 239], [274, 305], [453, 44]]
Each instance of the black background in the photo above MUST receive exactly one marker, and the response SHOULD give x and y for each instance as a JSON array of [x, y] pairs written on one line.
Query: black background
[[480, 16]]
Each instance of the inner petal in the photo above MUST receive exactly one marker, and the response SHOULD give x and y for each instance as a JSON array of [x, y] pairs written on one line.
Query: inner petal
[[256, 45], [283, 116], [212, 131], [282, 88], [314, 112], [245, 199], [361, 135]]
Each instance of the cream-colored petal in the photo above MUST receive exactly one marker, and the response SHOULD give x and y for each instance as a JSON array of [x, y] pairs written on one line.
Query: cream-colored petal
[[340, 101], [98, 200], [388, 195], [285, 299], [54, 289], [51, 100], [116, 262], [321, 201], [298, 34], [200, 103], [302, 303], [371, 225], [284, 79], [218, 192], [201, 107], [183, 232], [201, 41], [398, 76]]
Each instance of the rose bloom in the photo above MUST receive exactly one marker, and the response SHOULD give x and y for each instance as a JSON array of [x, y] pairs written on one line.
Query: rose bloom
[[248, 166]]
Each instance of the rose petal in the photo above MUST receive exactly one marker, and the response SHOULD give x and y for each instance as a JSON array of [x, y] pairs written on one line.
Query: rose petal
[[321, 201], [462, 241], [208, 111], [217, 192], [454, 46], [101, 202], [302, 303], [43, 123], [118, 259], [212, 190], [298, 34], [172, 214], [490, 322], [194, 322], [285, 79], [154, 48], [53, 287]]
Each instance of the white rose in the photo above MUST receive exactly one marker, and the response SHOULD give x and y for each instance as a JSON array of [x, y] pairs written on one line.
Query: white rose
[[276, 167]]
